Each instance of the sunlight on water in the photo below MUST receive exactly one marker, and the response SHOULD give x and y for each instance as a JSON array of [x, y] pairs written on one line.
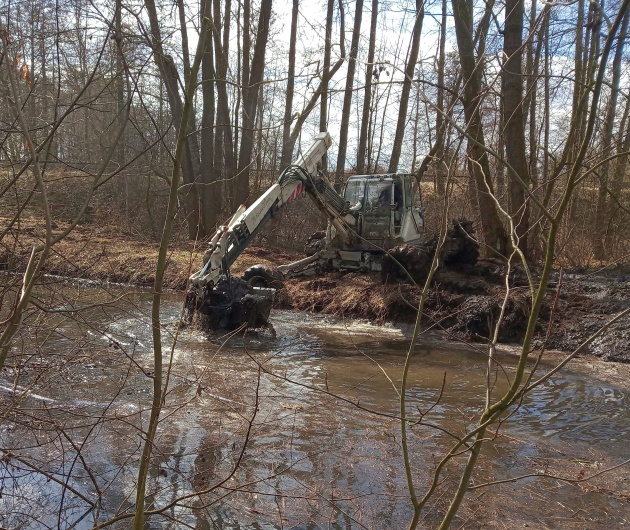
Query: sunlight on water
[[324, 444]]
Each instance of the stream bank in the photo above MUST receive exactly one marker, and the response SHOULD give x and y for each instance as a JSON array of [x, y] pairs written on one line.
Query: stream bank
[[463, 302]]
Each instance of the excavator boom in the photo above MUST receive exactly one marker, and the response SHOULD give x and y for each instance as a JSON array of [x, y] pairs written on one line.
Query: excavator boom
[[232, 238]]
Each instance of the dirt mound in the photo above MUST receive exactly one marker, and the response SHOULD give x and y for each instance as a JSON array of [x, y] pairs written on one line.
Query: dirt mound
[[586, 303], [352, 295], [406, 261], [478, 315], [458, 251], [466, 304], [459, 248], [448, 305]]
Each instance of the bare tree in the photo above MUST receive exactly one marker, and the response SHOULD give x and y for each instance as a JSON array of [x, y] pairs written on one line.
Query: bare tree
[[224, 138], [323, 113], [170, 76], [410, 69], [287, 147], [370, 69], [478, 164], [347, 98], [607, 140], [250, 103], [514, 121], [210, 190]]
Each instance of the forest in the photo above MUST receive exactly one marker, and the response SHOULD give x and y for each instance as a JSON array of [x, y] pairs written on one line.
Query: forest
[[517, 113], [130, 131]]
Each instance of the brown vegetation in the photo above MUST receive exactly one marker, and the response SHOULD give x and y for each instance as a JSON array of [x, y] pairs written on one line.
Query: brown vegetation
[[107, 254]]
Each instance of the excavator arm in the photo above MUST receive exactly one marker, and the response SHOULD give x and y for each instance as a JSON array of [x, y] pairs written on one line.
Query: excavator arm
[[232, 238]]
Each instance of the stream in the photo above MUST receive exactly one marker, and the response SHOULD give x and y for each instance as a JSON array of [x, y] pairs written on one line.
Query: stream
[[293, 431]]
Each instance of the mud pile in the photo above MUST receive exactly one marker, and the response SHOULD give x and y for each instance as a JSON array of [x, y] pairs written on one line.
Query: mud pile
[[460, 302], [413, 262], [587, 301]]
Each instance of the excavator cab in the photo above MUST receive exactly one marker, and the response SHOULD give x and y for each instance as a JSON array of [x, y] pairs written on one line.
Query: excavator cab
[[387, 208]]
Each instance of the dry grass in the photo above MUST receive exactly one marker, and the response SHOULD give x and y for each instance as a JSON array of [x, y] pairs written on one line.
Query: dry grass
[[103, 253], [355, 295]]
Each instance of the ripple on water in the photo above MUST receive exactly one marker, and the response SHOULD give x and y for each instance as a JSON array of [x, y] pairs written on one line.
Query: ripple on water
[[572, 409]]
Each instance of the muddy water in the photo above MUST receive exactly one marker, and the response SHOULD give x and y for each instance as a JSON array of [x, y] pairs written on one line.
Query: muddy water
[[293, 431]]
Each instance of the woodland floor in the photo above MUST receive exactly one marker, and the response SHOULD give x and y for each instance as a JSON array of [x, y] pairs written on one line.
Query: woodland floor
[[462, 303]]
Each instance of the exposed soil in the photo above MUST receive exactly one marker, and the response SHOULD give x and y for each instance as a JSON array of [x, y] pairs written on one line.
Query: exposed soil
[[463, 302]]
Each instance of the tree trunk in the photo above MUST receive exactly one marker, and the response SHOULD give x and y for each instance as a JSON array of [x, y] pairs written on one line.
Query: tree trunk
[[250, 104], [183, 24], [287, 148], [323, 112], [120, 97], [224, 144], [243, 58], [367, 93], [318, 95], [533, 75], [607, 137], [406, 88], [440, 122], [619, 175], [210, 190], [478, 165], [347, 98], [512, 93], [170, 76]]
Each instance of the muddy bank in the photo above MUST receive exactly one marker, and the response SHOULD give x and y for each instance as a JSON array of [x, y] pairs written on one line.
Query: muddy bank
[[464, 303]]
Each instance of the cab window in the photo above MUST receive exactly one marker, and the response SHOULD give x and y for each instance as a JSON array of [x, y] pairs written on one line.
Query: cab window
[[355, 192]]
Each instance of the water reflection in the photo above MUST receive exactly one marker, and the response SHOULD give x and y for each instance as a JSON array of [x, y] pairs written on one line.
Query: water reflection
[[317, 407]]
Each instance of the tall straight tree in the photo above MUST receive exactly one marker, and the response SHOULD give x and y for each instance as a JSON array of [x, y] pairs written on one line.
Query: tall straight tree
[[440, 122], [618, 176], [120, 94], [287, 147], [534, 53], [225, 161], [514, 123], [321, 92], [170, 76], [367, 92], [478, 164], [210, 193], [347, 97], [406, 87], [250, 102], [607, 140], [323, 113]]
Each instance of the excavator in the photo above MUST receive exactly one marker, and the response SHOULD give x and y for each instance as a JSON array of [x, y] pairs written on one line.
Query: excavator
[[377, 218]]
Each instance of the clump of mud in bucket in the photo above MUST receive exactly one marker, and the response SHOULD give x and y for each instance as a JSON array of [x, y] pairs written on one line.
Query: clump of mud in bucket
[[228, 305]]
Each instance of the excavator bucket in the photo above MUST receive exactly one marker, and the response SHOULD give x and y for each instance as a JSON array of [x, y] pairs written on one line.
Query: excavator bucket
[[230, 304]]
